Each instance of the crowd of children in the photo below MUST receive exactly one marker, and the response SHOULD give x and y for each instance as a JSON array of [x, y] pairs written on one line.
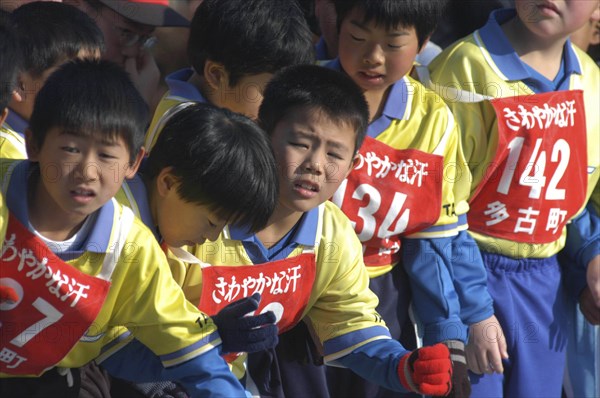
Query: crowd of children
[[310, 207]]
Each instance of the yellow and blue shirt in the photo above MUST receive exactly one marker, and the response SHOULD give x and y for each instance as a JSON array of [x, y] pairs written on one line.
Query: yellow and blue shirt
[[180, 90], [142, 291], [414, 117], [341, 308], [485, 65], [12, 137]]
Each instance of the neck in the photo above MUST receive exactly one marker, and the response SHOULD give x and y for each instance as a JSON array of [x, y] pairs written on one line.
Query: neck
[[544, 54], [152, 201], [205, 89], [376, 101], [280, 223]]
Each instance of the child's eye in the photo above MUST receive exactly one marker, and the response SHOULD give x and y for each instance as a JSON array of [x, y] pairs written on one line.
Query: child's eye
[[335, 155], [298, 144], [395, 47], [211, 224], [105, 155], [356, 38], [69, 149]]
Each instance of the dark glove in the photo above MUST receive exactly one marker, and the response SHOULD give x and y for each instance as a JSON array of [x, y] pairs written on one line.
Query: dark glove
[[461, 385], [163, 389], [427, 370], [246, 333]]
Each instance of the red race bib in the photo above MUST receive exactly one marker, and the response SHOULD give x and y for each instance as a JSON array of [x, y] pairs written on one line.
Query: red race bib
[[284, 285], [55, 307], [537, 180], [390, 193]]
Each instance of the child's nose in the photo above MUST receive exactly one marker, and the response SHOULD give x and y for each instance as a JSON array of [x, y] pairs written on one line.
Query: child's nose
[[374, 55]]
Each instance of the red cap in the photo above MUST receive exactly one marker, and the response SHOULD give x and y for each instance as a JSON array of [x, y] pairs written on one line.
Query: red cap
[[147, 12]]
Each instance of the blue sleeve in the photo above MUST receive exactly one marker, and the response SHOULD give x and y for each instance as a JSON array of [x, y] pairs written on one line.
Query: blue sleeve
[[377, 362], [582, 245], [202, 376], [134, 362], [470, 280], [435, 299]]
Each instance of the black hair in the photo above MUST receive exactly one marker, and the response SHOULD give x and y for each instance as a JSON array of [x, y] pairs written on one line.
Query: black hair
[[10, 59], [222, 159], [423, 15], [315, 87], [249, 36], [51, 33], [90, 98]]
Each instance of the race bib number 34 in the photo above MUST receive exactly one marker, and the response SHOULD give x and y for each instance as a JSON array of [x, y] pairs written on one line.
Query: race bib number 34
[[388, 194], [537, 180]]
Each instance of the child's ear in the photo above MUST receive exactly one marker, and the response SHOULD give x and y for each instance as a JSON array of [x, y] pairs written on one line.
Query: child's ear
[[31, 146], [131, 170], [215, 75], [165, 181], [16, 96]]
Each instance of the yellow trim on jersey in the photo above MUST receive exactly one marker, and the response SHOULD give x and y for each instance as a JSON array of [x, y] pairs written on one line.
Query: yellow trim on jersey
[[163, 107], [12, 145], [329, 359]]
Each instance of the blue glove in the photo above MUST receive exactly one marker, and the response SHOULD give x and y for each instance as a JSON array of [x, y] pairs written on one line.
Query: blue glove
[[246, 333]]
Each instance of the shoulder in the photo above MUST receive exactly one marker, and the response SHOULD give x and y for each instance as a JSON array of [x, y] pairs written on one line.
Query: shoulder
[[589, 69], [338, 230]]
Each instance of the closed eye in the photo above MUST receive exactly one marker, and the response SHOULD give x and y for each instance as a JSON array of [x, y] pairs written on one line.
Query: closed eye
[[356, 38], [298, 144], [107, 156], [69, 149]]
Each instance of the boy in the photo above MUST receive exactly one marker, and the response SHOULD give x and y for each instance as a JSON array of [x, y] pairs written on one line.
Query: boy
[[75, 255], [524, 57], [413, 131], [234, 49], [307, 262], [226, 174], [49, 34]]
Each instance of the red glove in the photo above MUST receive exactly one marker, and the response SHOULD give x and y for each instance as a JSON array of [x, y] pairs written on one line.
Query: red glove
[[427, 370], [8, 294]]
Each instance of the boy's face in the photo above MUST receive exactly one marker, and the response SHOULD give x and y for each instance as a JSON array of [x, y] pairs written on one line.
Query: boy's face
[[183, 223], [314, 155], [373, 56], [557, 18], [78, 175]]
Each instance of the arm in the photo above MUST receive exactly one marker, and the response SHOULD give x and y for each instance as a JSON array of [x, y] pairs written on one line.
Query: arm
[[435, 299], [425, 371], [487, 345], [204, 375]]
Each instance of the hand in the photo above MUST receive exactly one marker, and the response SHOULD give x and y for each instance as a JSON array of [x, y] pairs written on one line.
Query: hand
[[461, 385], [242, 333], [593, 279], [427, 370], [145, 75], [486, 347], [589, 309]]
